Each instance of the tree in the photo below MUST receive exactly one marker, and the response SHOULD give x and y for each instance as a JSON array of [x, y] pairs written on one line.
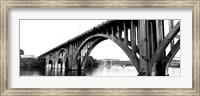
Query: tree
[[91, 63], [21, 52]]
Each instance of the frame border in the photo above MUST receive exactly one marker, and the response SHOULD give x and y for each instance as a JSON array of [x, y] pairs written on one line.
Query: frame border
[[6, 4]]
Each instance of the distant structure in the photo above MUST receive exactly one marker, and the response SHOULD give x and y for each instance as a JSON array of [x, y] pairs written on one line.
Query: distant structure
[[143, 41], [105, 60], [27, 56]]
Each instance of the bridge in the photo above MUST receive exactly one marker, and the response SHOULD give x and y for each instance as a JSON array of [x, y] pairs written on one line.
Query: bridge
[[143, 41]]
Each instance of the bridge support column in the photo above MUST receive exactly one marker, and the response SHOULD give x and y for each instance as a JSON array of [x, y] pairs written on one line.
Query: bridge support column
[[55, 64], [47, 65], [46, 61], [72, 59], [56, 60], [63, 63], [112, 31], [171, 24], [125, 34], [70, 62], [143, 46], [133, 36], [119, 32], [152, 40], [47, 70], [160, 68], [75, 60]]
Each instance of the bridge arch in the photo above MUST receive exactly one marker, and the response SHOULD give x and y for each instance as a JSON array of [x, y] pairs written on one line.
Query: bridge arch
[[171, 55], [90, 50], [51, 60], [61, 55], [97, 38], [62, 50]]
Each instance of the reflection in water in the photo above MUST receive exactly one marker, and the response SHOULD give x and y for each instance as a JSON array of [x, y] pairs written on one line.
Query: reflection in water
[[113, 71], [47, 72], [62, 72], [100, 71], [174, 71], [31, 72]]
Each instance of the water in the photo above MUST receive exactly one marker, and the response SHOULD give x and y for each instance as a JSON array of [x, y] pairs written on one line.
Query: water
[[174, 71], [100, 71]]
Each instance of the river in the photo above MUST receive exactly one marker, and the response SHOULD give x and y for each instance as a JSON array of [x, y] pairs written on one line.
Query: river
[[100, 71]]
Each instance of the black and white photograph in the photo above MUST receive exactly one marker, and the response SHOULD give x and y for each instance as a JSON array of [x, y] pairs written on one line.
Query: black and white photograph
[[99, 47]]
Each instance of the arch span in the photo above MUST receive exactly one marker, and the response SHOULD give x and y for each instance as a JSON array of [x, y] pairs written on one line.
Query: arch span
[[101, 37], [170, 56], [158, 52], [63, 50], [90, 50]]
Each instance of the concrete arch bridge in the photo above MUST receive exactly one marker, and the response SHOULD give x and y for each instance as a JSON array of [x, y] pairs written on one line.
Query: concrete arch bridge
[[143, 41]]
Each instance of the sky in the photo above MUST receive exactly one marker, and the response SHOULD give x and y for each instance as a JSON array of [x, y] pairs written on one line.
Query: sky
[[39, 36]]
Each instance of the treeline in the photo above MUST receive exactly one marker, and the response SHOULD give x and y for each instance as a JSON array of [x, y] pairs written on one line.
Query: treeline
[[116, 62], [91, 63], [120, 63], [32, 63]]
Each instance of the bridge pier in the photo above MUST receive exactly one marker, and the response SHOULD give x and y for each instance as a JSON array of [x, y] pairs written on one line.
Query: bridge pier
[[55, 64], [150, 35], [63, 63], [70, 56], [46, 61], [143, 46], [160, 36], [125, 34]]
